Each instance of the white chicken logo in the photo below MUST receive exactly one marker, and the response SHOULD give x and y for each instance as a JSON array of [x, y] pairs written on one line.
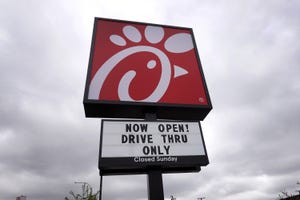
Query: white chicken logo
[[177, 43]]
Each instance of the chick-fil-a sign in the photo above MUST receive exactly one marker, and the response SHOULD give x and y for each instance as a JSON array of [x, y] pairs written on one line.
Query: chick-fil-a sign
[[144, 63]]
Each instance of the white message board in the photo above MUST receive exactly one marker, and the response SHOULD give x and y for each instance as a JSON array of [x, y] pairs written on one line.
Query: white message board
[[144, 143]]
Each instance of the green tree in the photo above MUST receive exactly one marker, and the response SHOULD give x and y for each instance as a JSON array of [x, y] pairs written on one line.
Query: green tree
[[285, 195], [86, 194]]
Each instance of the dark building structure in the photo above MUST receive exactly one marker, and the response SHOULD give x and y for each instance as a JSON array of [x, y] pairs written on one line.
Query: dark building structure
[[296, 197]]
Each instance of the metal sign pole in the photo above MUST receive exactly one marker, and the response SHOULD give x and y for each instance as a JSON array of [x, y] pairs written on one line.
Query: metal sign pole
[[155, 181], [155, 185], [100, 186]]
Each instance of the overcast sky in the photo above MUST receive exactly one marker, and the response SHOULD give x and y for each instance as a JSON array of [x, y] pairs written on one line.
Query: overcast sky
[[250, 56]]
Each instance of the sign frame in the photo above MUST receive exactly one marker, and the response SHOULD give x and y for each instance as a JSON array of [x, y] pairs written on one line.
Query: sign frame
[[134, 109], [126, 165]]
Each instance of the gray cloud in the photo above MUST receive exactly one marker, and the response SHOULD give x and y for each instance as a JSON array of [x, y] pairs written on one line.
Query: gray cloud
[[249, 52]]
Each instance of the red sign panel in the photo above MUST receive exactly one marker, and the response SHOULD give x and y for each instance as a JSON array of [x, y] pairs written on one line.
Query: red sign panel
[[144, 64]]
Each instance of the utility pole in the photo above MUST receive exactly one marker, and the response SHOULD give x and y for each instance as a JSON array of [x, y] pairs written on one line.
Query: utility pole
[[84, 185], [298, 183]]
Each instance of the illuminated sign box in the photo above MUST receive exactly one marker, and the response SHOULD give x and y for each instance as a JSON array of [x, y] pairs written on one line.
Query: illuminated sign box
[[137, 146], [137, 68]]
